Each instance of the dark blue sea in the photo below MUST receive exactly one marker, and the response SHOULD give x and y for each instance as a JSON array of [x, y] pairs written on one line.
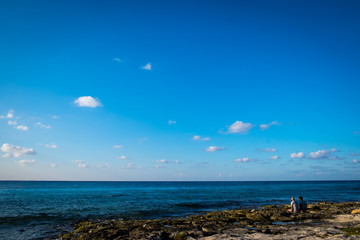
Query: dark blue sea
[[43, 210]]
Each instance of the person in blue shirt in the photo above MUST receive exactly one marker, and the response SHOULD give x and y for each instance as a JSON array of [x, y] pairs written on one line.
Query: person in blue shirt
[[302, 204]]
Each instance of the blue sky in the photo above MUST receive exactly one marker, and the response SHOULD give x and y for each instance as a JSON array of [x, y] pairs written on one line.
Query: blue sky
[[180, 90]]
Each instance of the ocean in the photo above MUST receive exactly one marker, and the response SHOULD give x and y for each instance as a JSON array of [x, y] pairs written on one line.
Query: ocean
[[44, 209]]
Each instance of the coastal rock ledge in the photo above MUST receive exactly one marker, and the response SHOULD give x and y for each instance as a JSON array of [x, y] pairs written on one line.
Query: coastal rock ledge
[[321, 221]]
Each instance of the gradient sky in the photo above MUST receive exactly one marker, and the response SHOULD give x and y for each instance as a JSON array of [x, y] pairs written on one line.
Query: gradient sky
[[179, 90]]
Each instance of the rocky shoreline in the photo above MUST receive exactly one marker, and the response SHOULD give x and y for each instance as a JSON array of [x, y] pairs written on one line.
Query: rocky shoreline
[[321, 221]]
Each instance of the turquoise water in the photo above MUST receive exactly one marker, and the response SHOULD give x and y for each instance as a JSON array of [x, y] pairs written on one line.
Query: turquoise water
[[42, 210]]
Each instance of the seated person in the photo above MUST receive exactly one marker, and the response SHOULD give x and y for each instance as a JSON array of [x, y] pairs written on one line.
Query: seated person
[[302, 204], [294, 206]]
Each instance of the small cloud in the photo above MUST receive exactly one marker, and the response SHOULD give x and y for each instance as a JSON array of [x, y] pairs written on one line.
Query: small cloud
[[22, 127], [51, 145], [177, 162], [53, 165], [80, 164], [12, 122], [55, 117], [117, 146], [214, 148], [297, 155], [240, 127], [198, 138], [355, 161], [147, 67], [130, 166], [117, 59], [242, 160], [266, 126], [219, 175], [270, 150], [25, 162], [41, 125], [180, 174], [87, 101], [170, 122], [122, 158], [9, 115], [322, 154], [162, 161], [106, 165], [274, 158], [354, 154], [15, 151]]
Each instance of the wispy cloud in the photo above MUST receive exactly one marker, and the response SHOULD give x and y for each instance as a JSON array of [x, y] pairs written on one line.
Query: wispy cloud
[[274, 157], [51, 145], [55, 117], [354, 154], [80, 164], [22, 128], [266, 126], [122, 158], [214, 149], [130, 166], [240, 127], [25, 162], [53, 165], [297, 155], [12, 122], [355, 161], [357, 133], [171, 122], [41, 125], [147, 67], [15, 151], [163, 161], [105, 165], [242, 160], [87, 101], [117, 146], [198, 138], [117, 59], [270, 150], [9, 115]]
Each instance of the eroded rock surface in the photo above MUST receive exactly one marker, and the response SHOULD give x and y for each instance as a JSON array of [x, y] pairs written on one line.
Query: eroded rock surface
[[321, 221]]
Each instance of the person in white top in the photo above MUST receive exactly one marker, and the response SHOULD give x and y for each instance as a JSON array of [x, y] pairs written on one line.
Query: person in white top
[[294, 206]]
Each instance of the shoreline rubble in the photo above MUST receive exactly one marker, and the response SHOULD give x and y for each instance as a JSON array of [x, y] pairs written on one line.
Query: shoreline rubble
[[322, 220]]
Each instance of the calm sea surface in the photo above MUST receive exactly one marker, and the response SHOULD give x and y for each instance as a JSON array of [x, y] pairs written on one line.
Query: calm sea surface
[[42, 210]]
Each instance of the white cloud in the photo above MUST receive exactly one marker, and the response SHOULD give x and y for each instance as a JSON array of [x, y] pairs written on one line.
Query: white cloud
[[41, 125], [15, 151], [147, 67], [53, 165], [117, 59], [9, 115], [242, 160], [25, 162], [355, 161], [274, 157], [177, 162], [214, 148], [170, 122], [106, 165], [117, 146], [180, 174], [22, 127], [162, 161], [158, 166], [130, 166], [198, 138], [297, 155], [80, 164], [12, 122], [51, 145], [266, 126], [240, 127], [270, 150], [87, 101], [55, 117], [122, 158], [354, 154], [324, 154]]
